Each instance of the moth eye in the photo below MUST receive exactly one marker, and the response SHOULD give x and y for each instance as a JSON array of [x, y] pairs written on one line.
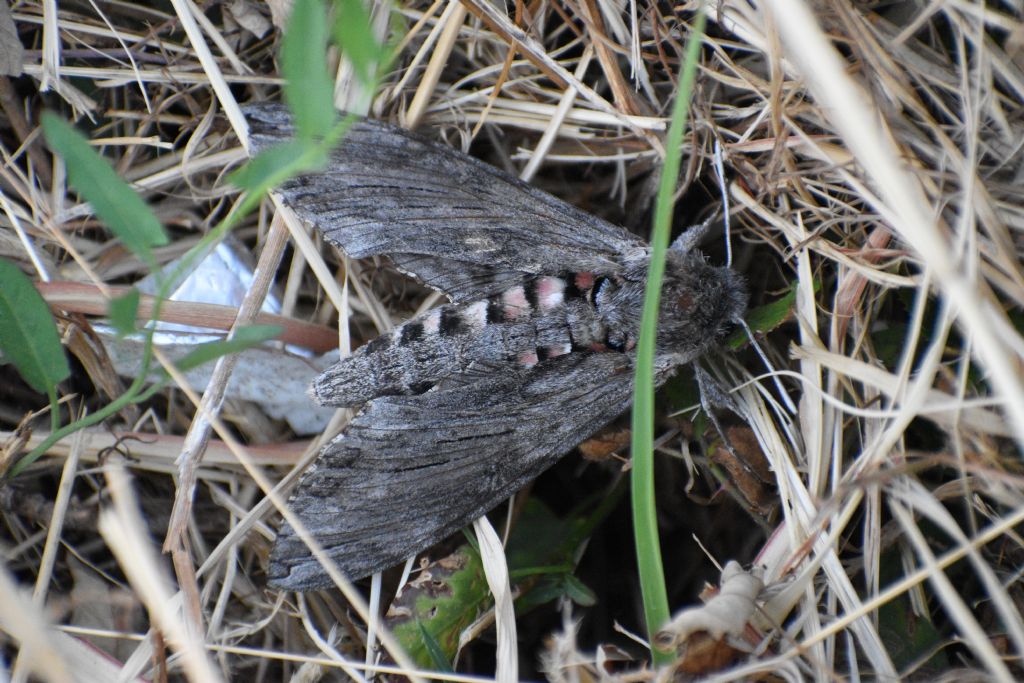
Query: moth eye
[[685, 302]]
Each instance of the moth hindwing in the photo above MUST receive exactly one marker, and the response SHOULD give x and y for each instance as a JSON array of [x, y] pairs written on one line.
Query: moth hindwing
[[466, 403]]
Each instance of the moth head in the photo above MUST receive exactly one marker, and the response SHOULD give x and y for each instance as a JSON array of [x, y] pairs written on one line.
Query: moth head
[[700, 304]]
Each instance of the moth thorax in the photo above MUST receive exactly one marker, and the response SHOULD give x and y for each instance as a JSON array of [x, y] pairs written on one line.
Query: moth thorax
[[699, 304]]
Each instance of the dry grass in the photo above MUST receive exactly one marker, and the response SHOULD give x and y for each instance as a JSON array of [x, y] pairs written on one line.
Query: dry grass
[[874, 164]]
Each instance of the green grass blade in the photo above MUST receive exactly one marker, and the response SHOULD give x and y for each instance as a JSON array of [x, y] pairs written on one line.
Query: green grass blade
[[119, 207], [28, 335], [645, 525], [433, 648]]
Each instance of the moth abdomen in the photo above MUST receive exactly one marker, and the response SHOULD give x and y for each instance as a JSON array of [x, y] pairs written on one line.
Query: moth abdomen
[[407, 360], [544, 317]]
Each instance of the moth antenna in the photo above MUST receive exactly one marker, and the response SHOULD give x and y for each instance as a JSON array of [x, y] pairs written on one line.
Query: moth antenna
[[691, 237], [767, 363], [720, 172]]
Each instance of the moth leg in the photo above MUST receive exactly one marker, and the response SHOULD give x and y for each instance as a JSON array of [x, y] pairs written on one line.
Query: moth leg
[[713, 396], [748, 475]]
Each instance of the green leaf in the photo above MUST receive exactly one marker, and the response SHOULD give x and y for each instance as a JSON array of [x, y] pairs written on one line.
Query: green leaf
[[543, 547], [123, 312], [276, 164], [245, 338], [353, 33], [116, 204], [441, 608], [767, 317], [542, 541], [28, 335], [540, 557], [308, 89], [912, 640], [542, 591], [579, 592]]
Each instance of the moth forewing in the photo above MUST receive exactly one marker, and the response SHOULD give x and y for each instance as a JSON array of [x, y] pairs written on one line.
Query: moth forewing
[[471, 400]]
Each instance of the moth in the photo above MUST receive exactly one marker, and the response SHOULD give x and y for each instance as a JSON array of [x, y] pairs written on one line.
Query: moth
[[465, 404]]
